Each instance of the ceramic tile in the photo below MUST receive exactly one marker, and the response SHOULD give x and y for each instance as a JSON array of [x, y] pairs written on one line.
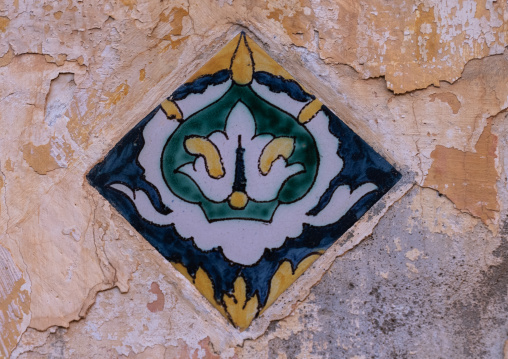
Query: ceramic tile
[[241, 179]]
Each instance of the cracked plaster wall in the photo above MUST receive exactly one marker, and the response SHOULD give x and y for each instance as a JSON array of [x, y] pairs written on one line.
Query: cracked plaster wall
[[425, 82]]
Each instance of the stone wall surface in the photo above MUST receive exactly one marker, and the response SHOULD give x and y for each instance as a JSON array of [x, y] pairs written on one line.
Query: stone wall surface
[[425, 82]]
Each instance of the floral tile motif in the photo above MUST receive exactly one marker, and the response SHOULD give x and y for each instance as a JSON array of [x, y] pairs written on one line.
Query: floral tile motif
[[241, 179]]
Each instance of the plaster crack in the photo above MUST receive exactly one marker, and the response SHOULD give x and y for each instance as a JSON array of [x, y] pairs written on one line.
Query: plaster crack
[[4, 180], [32, 349], [417, 140], [104, 263], [6, 97], [463, 211]]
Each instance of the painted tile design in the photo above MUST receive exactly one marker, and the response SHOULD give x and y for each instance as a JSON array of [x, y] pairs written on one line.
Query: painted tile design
[[241, 179]]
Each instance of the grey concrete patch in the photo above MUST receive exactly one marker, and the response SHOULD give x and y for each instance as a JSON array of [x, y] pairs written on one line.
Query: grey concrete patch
[[375, 302]]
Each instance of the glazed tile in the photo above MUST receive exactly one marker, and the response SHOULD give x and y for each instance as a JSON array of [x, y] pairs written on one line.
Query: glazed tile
[[241, 179]]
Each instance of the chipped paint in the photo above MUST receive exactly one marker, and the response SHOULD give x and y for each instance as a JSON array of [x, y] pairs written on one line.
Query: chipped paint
[[448, 98], [7, 57], [8, 165], [117, 95], [47, 157], [468, 179], [158, 304], [4, 22], [14, 303]]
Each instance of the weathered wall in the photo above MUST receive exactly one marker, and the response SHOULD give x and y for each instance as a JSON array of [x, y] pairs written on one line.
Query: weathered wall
[[425, 82]]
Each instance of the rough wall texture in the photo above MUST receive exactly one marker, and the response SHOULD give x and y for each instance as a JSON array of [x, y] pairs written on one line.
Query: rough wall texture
[[425, 82]]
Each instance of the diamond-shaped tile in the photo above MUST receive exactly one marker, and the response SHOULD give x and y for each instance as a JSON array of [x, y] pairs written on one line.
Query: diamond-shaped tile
[[241, 179]]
